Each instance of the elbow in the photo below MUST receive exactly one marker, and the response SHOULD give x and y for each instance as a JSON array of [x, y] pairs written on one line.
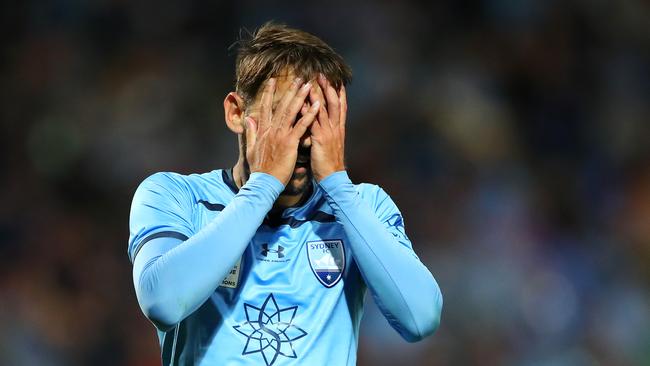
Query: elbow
[[422, 328], [428, 325], [162, 314], [159, 305], [426, 319]]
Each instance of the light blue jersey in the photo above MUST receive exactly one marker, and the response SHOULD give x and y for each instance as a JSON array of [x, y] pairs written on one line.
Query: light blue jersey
[[253, 288]]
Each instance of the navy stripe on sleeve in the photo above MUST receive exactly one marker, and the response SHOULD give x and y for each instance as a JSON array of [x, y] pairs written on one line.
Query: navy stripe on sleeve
[[162, 234]]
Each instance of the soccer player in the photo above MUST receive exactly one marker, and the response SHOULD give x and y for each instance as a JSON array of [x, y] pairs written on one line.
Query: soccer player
[[268, 263]]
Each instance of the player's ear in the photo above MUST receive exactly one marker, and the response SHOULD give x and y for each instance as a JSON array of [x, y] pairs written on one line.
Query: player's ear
[[233, 106]]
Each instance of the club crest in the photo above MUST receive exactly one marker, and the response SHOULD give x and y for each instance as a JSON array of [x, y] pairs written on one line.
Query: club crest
[[327, 260]]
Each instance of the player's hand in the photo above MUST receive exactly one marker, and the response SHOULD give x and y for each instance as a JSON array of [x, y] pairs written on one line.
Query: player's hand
[[328, 132], [272, 140]]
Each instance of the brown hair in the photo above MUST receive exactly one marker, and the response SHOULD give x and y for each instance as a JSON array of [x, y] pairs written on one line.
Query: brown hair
[[274, 47]]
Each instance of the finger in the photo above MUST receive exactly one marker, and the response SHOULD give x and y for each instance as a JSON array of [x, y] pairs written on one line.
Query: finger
[[266, 102], [314, 95], [296, 104], [332, 99], [281, 109], [251, 131], [314, 99], [316, 129], [323, 118], [305, 121], [317, 95], [343, 106]]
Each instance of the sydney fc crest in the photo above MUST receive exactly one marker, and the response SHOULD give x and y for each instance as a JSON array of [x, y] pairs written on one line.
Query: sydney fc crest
[[327, 260]]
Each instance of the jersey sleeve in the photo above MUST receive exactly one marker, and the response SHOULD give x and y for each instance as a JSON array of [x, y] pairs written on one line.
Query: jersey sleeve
[[173, 278], [403, 288], [162, 207], [388, 213]]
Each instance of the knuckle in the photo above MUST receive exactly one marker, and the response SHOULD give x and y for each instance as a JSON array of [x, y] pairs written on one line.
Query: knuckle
[[284, 115]]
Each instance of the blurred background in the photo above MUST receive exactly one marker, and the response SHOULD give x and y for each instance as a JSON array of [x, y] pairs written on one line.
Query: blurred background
[[513, 135]]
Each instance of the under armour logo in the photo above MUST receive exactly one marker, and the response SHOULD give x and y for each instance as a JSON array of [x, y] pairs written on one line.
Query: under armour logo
[[265, 250]]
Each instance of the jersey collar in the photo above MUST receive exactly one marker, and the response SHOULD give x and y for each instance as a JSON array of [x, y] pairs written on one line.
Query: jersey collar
[[228, 178]]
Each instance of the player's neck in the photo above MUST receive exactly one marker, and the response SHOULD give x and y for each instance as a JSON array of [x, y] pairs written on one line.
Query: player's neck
[[285, 201], [241, 173]]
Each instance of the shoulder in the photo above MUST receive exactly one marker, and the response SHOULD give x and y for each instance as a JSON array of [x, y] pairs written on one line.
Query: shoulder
[[378, 199], [165, 179], [177, 180], [371, 193], [166, 184]]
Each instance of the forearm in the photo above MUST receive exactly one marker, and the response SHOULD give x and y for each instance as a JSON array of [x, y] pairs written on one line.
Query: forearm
[[402, 286], [172, 283]]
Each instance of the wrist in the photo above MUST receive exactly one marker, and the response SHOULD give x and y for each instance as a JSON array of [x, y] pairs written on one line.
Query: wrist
[[282, 178], [321, 177], [335, 182], [265, 182]]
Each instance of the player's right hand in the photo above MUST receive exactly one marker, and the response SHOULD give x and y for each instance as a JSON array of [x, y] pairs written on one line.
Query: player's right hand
[[272, 140]]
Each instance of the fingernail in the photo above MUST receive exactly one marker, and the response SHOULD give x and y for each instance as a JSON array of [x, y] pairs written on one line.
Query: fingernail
[[307, 86], [316, 105], [298, 80], [271, 81]]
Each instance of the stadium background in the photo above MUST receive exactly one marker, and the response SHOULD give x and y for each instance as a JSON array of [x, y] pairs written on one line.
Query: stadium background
[[514, 136]]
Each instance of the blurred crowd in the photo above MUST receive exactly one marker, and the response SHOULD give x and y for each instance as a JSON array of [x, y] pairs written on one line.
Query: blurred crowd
[[513, 135]]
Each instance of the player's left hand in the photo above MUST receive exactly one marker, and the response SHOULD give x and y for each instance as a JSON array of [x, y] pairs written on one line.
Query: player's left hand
[[328, 131]]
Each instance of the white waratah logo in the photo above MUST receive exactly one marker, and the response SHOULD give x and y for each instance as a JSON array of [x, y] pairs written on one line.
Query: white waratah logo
[[270, 331]]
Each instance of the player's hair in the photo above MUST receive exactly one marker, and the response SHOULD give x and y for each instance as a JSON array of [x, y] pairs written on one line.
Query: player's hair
[[274, 48]]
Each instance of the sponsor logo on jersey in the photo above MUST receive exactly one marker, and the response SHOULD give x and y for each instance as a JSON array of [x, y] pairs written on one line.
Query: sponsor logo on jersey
[[270, 331], [232, 279], [272, 253], [327, 260], [279, 252]]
